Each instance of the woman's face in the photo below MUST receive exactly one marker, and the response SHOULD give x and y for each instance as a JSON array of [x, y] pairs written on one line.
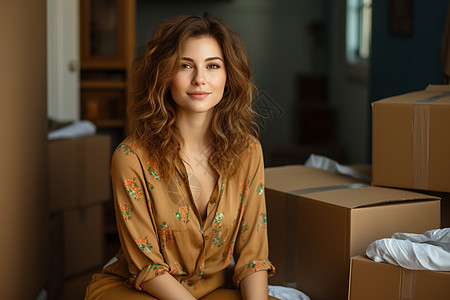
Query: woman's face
[[200, 81]]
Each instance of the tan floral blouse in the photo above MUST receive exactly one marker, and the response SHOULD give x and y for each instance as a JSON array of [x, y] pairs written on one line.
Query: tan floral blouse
[[161, 230]]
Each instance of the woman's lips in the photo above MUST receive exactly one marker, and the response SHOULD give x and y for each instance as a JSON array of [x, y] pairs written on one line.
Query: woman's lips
[[198, 95]]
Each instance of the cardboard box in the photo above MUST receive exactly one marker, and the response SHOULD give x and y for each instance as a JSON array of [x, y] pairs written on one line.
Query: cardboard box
[[79, 171], [411, 140], [83, 239], [445, 205], [318, 220], [370, 280]]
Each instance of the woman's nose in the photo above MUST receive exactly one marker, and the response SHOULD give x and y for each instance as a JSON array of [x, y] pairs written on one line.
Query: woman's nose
[[199, 78]]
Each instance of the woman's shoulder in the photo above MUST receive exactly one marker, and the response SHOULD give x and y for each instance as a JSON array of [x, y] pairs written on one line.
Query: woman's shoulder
[[254, 145], [129, 148], [252, 154]]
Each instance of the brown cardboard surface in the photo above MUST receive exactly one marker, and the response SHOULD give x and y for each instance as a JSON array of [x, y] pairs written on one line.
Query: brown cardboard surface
[[277, 211], [319, 232], [370, 280], [364, 168], [83, 239], [95, 156], [411, 138], [311, 178], [445, 205], [367, 222], [62, 174], [79, 172]]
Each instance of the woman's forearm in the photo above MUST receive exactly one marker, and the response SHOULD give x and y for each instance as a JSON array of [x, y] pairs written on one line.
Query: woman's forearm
[[255, 286], [166, 287]]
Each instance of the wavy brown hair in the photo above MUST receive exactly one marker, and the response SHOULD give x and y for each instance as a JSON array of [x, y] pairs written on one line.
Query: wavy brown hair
[[152, 110]]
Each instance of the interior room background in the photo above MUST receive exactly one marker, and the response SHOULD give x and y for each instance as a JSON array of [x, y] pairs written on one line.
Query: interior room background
[[285, 39]]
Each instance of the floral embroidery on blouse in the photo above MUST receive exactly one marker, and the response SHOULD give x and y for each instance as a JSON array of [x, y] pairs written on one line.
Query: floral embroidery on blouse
[[258, 265], [150, 186], [144, 244], [201, 268], [219, 239], [260, 187], [158, 269], [243, 229], [244, 189], [183, 214], [165, 234], [126, 211], [130, 148], [149, 205], [252, 148], [178, 269], [222, 186], [262, 224], [217, 219], [133, 188], [153, 171], [228, 253]]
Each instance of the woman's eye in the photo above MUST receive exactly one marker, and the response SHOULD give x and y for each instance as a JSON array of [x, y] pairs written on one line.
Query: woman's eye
[[213, 66], [185, 66]]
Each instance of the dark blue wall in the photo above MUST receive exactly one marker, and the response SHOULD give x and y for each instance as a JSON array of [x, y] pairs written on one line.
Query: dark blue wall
[[401, 64]]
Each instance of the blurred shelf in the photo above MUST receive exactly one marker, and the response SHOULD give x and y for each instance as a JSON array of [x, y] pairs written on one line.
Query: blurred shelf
[[111, 123], [103, 85]]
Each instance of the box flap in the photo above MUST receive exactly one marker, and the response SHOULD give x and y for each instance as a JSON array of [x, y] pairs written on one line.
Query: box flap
[[333, 188], [298, 177], [367, 196], [433, 94], [438, 87]]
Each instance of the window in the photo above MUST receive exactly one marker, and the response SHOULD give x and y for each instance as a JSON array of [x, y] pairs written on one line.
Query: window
[[359, 30]]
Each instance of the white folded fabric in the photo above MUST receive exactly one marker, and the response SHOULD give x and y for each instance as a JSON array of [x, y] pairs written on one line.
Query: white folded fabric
[[437, 237], [286, 293], [330, 165], [427, 251], [74, 130]]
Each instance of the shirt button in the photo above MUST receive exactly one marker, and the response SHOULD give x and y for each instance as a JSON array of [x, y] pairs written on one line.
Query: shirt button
[[213, 201], [206, 237]]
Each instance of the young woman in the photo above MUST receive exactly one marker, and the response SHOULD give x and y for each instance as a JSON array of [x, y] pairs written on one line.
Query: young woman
[[188, 181]]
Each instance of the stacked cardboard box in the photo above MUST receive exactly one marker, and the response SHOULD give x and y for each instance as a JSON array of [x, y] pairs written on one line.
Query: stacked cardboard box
[[318, 220], [411, 138], [79, 172], [373, 281], [411, 141], [79, 185]]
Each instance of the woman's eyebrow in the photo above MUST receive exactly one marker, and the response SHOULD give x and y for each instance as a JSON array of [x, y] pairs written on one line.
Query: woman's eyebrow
[[208, 59], [214, 58]]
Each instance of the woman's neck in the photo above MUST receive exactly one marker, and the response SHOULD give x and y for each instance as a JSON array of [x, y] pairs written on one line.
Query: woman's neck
[[195, 130]]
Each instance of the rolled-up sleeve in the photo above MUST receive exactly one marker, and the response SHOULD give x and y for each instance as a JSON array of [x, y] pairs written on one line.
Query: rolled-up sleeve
[[134, 215], [252, 251]]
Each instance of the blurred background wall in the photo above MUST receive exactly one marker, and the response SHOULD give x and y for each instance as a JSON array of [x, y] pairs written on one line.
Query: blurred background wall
[[23, 160], [403, 63]]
